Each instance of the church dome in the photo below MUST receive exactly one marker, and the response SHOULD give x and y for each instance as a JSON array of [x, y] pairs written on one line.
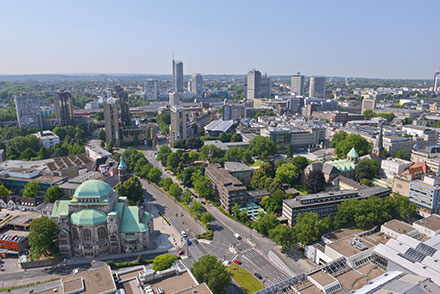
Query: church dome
[[88, 217], [93, 189]]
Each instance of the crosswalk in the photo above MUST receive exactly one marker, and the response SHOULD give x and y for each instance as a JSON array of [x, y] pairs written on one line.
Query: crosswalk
[[271, 274]]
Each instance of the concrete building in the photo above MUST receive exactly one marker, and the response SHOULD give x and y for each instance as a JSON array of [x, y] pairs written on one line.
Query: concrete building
[[178, 76], [152, 88], [239, 170], [229, 112], [178, 124], [368, 104], [28, 111], [317, 87], [111, 119], [258, 86], [425, 194], [197, 84], [297, 84], [394, 166], [98, 222], [226, 188], [394, 228], [217, 127], [429, 155], [325, 204], [63, 103], [174, 99], [428, 226], [122, 97], [47, 138]]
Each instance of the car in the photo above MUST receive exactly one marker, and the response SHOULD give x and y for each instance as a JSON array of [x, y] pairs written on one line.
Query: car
[[258, 276], [203, 202], [181, 214], [237, 261], [180, 252], [237, 236], [184, 234], [188, 242]]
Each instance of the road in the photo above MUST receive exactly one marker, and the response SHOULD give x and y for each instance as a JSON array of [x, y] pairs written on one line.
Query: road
[[253, 249]]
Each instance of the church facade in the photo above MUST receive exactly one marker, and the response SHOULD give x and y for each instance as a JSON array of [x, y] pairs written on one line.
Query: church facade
[[98, 222]]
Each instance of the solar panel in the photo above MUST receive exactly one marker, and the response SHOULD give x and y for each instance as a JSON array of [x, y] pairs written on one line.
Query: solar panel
[[412, 255], [425, 249]]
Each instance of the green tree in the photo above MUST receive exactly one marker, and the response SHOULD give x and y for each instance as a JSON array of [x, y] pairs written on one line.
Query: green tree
[[32, 189], [265, 223], [53, 193], [101, 135], [193, 156], [225, 137], [274, 203], [290, 151], [175, 190], [262, 147], [338, 137], [186, 175], [309, 228], [132, 189], [3, 190], [211, 271], [99, 116], [42, 237], [202, 184], [197, 208], [154, 175], [206, 217], [283, 235], [234, 154], [366, 169], [353, 140], [402, 208], [163, 262], [236, 138], [211, 153], [166, 183], [288, 174], [366, 182], [172, 161], [28, 154], [314, 181], [43, 153], [368, 114], [163, 153], [300, 162]]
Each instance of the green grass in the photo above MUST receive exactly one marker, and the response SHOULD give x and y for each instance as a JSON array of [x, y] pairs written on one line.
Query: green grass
[[301, 189], [244, 279], [257, 163]]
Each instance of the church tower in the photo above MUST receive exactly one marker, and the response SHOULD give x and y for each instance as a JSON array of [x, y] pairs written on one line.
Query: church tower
[[352, 156], [378, 149], [122, 170]]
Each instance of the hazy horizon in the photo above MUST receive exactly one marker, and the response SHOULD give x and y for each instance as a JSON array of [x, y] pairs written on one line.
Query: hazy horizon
[[374, 39]]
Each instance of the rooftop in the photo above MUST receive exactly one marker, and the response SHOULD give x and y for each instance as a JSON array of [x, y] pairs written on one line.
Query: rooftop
[[234, 166], [222, 177], [398, 226], [431, 222], [93, 281], [93, 189], [219, 125]]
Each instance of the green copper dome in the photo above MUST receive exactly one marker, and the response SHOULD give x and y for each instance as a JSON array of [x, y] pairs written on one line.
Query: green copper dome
[[352, 153], [88, 217], [93, 189]]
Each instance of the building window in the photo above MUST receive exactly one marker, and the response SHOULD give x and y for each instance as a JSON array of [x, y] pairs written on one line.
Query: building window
[[75, 235], [87, 235], [102, 234]]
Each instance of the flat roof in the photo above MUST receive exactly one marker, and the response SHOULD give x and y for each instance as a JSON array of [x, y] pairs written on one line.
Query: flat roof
[[340, 234], [219, 125], [346, 249], [99, 280], [322, 278], [398, 226], [174, 283], [235, 166], [19, 216], [431, 222]]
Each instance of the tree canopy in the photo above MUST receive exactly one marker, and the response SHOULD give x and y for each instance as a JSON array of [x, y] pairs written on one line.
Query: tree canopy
[[360, 144], [42, 237], [366, 169], [211, 271], [132, 189], [53, 194], [262, 147], [32, 189], [163, 262]]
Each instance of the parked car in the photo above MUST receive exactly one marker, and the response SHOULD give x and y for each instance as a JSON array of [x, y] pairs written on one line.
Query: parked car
[[180, 252], [258, 276], [237, 236], [188, 242], [184, 234], [237, 261]]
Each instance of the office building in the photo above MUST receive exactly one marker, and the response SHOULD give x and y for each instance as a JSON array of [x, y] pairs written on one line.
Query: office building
[[317, 87], [227, 189], [152, 88], [122, 95], [197, 84], [174, 99], [258, 86], [229, 112], [368, 104], [394, 166], [28, 111], [325, 204], [47, 138], [178, 124], [111, 119], [178, 76], [425, 194], [63, 108], [297, 84], [96, 221], [217, 127]]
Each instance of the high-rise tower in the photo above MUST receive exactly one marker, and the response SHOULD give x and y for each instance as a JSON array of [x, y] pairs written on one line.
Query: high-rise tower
[[317, 87], [196, 84], [435, 86], [63, 108], [122, 95], [178, 76], [297, 84]]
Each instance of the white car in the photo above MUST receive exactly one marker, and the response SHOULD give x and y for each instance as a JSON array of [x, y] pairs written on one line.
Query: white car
[[184, 234], [237, 236]]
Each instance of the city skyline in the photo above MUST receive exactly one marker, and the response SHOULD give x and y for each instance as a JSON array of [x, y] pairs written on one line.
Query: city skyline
[[371, 40]]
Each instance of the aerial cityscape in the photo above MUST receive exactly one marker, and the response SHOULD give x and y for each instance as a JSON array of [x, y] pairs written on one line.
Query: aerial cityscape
[[192, 147]]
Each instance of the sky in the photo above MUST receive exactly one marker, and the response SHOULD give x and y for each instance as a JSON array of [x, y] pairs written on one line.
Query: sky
[[374, 38]]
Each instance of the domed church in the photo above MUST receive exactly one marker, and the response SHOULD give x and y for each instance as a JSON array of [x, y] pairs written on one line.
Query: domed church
[[98, 222]]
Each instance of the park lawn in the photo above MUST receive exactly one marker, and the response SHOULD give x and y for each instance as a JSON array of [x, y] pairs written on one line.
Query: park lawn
[[244, 279], [257, 163]]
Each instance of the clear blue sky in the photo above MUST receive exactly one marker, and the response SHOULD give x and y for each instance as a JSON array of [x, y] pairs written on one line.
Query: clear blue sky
[[374, 38]]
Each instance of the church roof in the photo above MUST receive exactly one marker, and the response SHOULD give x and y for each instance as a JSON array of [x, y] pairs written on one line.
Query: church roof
[[88, 217], [343, 165], [352, 153], [132, 222], [122, 163], [93, 189]]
